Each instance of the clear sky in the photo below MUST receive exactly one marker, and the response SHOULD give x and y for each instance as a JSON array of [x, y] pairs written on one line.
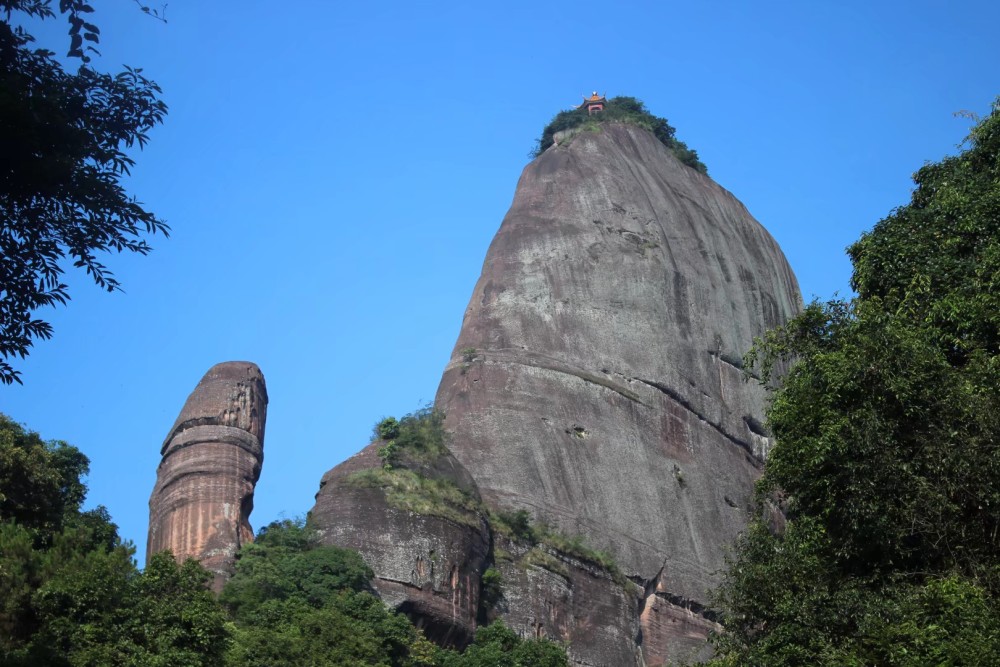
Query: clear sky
[[333, 174]]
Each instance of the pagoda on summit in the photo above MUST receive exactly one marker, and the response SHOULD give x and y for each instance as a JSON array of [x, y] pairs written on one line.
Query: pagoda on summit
[[593, 103]]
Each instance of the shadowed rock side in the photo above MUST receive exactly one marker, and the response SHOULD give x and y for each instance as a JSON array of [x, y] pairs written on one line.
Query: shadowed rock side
[[212, 456], [596, 380], [418, 527]]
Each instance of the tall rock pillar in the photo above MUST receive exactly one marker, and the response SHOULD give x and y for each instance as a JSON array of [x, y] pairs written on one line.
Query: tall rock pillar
[[212, 456]]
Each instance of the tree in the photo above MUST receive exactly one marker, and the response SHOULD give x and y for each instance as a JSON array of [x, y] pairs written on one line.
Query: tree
[[40, 483], [296, 602], [887, 455], [70, 592], [497, 645], [64, 141]]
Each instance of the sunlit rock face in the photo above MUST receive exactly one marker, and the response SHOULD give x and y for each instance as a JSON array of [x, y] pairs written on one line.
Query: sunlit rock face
[[597, 381], [427, 557], [212, 457]]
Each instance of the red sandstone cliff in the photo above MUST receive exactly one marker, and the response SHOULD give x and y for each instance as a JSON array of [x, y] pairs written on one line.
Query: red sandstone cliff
[[606, 392], [596, 383]]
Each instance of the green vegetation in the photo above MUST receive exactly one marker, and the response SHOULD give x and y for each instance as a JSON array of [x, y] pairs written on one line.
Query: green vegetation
[[66, 142], [886, 462], [490, 589], [416, 441], [518, 526], [297, 603], [387, 429], [420, 436], [620, 110], [70, 593], [407, 490], [496, 645]]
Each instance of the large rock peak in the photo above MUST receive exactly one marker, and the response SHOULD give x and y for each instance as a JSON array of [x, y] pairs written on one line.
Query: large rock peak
[[212, 457], [596, 384], [597, 381]]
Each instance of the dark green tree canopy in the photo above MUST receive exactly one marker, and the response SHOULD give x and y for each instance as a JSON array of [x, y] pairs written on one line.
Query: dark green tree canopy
[[64, 149], [70, 592], [621, 110], [296, 602], [887, 462]]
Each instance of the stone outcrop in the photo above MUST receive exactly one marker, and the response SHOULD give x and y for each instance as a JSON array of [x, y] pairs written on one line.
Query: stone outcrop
[[597, 381], [427, 551], [212, 457], [548, 593]]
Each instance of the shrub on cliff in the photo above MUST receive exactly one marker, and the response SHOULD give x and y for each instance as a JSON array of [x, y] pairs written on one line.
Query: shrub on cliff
[[419, 435], [620, 110], [887, 461]]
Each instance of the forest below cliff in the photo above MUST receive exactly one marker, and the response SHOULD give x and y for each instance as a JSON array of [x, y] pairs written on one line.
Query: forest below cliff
[[71, 594]]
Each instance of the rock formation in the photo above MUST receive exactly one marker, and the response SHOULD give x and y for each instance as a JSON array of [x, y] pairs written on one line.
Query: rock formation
[[605, 390], [428, 562], [212, 456], [597, 384]]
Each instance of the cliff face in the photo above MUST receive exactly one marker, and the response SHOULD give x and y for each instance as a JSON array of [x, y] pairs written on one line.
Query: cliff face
[[427, 553], [597, 381], [212, 456]]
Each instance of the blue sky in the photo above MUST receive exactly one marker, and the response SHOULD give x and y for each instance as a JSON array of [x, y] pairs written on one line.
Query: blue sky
[[334, 172]]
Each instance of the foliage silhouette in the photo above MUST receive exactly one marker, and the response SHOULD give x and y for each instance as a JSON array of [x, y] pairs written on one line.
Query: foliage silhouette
[[64, 149]]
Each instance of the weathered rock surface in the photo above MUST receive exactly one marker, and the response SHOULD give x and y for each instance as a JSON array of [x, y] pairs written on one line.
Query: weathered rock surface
[[550, 594], [212, 456], [597, 380], [597, 383], [427, 555]]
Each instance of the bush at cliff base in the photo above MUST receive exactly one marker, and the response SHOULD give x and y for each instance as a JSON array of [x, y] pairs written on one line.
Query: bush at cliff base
[[887, 462], [70, 592], [297, 602]]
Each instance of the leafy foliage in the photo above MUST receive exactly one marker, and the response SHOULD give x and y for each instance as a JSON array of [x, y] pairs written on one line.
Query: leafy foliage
[[387, 429], [420, 435], [64, 149], [621, 110], [413, 492], [497, 645], [70, 593], [296, 602], [518, 526], [886, 461], [491, 588], [40, 486]]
